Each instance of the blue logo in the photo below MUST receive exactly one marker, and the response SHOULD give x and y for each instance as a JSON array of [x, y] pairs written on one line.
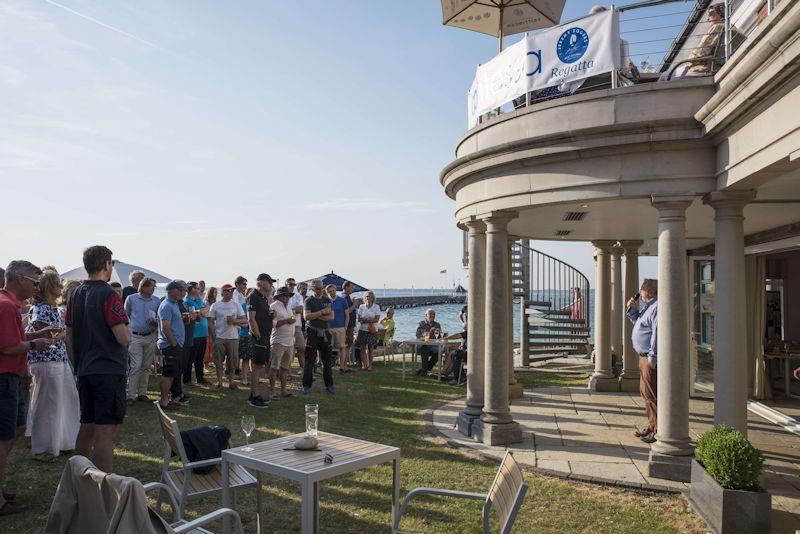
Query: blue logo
[[572, 45], [538, 69]]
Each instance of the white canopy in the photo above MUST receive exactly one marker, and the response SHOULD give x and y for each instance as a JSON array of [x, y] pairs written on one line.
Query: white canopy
[[122, 272], [517, 16]]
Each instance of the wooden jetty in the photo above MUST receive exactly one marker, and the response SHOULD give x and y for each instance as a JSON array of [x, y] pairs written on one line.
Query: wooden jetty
[[417, 301]]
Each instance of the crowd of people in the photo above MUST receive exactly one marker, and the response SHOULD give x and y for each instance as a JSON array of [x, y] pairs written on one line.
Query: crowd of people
[[74, 355]]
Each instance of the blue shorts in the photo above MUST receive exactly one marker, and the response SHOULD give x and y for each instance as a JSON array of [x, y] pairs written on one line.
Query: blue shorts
[[12, 406]]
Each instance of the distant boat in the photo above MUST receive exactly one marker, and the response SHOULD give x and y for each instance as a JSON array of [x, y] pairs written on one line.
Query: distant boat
[[121, 273]]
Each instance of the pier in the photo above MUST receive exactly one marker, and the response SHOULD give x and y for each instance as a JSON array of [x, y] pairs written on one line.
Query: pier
[[417, 301]]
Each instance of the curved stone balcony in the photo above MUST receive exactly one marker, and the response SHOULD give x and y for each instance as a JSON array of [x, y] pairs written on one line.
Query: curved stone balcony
[[629, 142]]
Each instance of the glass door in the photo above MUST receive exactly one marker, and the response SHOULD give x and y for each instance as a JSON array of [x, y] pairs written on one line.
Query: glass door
[[701, 281]]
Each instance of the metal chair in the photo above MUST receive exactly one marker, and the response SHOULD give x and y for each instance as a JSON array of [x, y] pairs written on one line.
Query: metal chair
[[505, 496], [178, 525], [189, 485]]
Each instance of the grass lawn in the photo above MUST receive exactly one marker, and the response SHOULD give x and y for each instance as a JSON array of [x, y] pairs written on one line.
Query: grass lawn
[[379, 407]]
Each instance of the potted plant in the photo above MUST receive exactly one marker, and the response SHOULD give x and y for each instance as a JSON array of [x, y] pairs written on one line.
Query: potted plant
[[725, 490]]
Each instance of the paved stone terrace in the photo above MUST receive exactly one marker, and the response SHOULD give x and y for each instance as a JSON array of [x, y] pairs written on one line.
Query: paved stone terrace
[[579, 434]]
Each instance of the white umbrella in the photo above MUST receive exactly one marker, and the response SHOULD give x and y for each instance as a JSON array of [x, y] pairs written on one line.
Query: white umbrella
[[121, 274], [501, 17]]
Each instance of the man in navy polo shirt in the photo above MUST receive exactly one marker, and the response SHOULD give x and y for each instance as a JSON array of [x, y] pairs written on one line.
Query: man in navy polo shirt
[[97, 341], [171, 337]]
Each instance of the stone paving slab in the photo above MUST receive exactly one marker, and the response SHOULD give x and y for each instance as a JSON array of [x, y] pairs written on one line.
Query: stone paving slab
[[575, 433]]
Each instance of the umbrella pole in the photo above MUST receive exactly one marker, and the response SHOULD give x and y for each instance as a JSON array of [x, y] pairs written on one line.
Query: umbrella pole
[[501, 27]]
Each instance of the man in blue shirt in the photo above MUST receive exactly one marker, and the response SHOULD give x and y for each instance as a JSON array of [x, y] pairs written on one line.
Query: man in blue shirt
[[194, 303], [337, 326], [142, 310], [644, 339], [171, 337]]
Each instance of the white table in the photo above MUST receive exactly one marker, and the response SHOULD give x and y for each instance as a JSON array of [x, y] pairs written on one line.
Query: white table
[[309, 469], [440, 345]]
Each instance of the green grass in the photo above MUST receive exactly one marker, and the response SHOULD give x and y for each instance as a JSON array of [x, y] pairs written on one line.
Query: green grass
[[378, 407]]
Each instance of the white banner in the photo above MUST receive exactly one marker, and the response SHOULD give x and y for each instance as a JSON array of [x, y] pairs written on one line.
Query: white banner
[[565, 53]]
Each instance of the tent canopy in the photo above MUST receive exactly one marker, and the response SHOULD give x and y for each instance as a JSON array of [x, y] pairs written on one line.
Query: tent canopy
[[121, 273], [338, 281], [459, 290]]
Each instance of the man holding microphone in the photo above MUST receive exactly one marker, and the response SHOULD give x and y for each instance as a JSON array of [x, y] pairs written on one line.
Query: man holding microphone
[[644, 339]]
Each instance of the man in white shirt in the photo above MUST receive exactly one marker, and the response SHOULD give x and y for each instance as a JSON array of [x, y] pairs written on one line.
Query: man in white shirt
[[296, 305], [282, 340], [225, 317]]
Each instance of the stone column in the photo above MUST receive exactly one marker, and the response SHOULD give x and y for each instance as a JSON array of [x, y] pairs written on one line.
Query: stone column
[[730, 341], [629, 379], [514, 387], [476, 309], [602, 379], [670, 455], [496, 426], [616, 302]]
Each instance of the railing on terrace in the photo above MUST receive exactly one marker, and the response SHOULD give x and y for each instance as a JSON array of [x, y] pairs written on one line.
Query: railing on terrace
[[667, 39]]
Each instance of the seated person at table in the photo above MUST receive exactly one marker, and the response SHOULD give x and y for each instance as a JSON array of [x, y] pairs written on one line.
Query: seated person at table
[[430, 355], [386, 328]]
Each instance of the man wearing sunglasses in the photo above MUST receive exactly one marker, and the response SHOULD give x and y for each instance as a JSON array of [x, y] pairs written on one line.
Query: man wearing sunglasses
[[20, 283], [318, 313], [97, 339]]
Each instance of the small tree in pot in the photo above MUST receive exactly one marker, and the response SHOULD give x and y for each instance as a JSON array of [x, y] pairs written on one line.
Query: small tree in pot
[[725, 488]]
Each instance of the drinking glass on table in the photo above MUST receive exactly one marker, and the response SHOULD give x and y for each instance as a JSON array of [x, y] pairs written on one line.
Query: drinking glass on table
[[312, 418], [248, 425]]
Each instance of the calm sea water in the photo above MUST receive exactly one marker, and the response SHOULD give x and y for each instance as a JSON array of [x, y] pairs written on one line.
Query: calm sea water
[[406, 319]]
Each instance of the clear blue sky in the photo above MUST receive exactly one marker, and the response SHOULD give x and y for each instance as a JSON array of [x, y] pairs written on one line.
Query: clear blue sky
[[207, 139]]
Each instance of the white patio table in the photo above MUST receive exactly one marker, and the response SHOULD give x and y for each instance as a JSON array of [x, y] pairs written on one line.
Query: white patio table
[[309, 467], [440, 345]]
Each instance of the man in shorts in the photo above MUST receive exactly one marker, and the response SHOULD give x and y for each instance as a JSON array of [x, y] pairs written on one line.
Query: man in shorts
[[337, 326], [260, 321], [21, 281], [349, 331], [282, 340], [171, 338], [224, 319], [97, 341]]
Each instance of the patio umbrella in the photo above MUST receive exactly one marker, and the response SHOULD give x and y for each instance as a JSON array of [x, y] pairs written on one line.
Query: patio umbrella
[[501, 17], [121, 274], [336, 280]]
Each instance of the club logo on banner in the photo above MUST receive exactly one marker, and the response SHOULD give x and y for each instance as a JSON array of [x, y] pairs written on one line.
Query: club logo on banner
[[572, 45], [572, 51]]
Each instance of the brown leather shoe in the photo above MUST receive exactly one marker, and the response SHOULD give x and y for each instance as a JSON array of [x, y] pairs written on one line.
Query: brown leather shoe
[[643, 432], [649, 438]]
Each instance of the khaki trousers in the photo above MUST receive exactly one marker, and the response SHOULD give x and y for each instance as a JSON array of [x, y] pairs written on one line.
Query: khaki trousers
[[647, 389], [141, 352]]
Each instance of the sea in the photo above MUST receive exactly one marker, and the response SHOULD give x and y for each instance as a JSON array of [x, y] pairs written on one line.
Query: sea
[[406, 319]]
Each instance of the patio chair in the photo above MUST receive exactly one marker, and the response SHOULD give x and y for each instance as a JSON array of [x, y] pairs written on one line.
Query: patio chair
[[189, 485], [92, 501], [505, 496]]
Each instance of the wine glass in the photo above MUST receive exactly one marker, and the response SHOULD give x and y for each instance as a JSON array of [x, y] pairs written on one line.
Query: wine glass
[[248, 425]]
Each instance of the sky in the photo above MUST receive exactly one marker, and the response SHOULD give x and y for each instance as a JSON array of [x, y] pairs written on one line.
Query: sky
[[208, 139]]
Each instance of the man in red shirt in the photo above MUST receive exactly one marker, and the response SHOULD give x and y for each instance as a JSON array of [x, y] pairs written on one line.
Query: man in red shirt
[[97, 341], [21, 280]]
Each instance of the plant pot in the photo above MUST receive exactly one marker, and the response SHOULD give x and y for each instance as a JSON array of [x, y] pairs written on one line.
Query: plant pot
[[729, 511]]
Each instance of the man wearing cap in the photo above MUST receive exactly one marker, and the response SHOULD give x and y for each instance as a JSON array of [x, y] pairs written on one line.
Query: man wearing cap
[[282, 340], [171, 338], [318, 313], [224, 319], [260, 321]]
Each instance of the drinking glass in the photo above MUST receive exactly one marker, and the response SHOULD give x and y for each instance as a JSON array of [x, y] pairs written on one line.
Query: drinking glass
[[312, 417], [248, 425]]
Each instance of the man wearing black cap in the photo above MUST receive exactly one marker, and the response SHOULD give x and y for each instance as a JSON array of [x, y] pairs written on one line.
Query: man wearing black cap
[[260, 319]]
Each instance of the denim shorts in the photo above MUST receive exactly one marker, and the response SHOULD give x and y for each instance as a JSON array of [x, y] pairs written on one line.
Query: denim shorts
[[12, 405]]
